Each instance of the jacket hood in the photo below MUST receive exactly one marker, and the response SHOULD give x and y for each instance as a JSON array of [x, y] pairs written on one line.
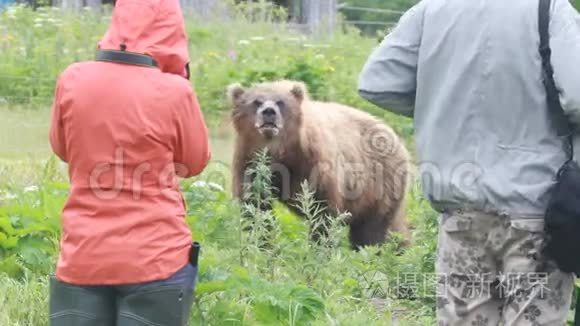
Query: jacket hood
[[151, 27]]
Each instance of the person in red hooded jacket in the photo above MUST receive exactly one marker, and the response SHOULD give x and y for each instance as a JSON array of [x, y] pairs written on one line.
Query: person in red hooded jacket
[[129, 125]]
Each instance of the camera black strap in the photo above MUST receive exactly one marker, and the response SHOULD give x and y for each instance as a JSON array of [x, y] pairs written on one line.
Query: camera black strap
[[126, 58], [559, 119], [557, 115], [132, 59]]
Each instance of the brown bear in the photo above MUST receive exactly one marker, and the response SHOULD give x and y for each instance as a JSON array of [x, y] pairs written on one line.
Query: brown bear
[[354, 162]]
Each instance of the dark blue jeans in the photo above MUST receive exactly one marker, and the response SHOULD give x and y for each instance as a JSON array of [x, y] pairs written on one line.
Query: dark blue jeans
[[185, 277], [165, 302]]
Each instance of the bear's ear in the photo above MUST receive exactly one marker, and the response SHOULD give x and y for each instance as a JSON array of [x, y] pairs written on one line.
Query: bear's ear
[[235, 91], [299, 91]]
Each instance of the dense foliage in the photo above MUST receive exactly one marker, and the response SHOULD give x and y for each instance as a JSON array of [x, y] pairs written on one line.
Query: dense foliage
[[268, 275], [37, 45]]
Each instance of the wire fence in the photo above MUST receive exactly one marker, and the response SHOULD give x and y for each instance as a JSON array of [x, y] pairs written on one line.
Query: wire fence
[[367, 9], [388, 17], [306, 15], [30, 91], [368, 22]]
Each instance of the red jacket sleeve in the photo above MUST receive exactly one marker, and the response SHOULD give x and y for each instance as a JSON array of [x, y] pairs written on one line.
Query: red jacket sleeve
[[192, 149], [56, 133]]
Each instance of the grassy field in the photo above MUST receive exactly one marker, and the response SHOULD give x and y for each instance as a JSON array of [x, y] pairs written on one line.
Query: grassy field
[[241, 282], [23, 134]]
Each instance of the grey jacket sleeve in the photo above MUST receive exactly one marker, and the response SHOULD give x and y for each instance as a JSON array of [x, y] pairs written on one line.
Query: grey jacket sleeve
[[388, 78], [565, 45]]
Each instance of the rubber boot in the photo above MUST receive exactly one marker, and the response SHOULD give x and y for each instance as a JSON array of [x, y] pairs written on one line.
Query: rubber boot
[[71, 305], [165, 305]]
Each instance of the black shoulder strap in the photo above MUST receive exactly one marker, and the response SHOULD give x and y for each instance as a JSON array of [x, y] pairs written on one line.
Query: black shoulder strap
[[559, 119], [126, 58]]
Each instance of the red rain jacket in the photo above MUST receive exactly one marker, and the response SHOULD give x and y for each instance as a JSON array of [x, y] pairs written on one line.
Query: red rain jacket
[[128, 132]]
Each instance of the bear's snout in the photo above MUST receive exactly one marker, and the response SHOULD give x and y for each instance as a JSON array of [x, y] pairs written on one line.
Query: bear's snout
[[269, 115]]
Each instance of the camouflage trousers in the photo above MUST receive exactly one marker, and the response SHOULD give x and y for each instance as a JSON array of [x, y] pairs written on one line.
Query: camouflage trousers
[[491, 272]]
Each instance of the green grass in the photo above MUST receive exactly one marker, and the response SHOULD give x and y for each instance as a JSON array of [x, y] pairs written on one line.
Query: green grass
[[23, 133], [23, 303], [241, 282]]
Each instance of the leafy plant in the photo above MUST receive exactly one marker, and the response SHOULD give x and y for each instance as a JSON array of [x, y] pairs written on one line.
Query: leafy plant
[[29, 227]]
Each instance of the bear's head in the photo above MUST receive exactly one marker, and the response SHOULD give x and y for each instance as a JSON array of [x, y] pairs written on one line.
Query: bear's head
[[267, 110]]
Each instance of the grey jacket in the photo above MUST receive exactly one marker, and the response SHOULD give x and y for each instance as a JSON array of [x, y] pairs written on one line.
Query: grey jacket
[[469, 74]]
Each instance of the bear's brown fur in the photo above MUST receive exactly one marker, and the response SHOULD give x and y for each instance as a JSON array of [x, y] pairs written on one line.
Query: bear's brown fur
[[353, 161]]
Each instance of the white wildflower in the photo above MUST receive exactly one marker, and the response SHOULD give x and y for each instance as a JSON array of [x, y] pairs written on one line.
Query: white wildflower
[[201, 184], [210, 185], [7, 196], [216, 186], [310, 45], [31, 189], [11, 12]]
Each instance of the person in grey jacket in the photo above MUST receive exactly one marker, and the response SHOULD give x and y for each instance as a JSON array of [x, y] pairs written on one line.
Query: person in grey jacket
[[469, 75]]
